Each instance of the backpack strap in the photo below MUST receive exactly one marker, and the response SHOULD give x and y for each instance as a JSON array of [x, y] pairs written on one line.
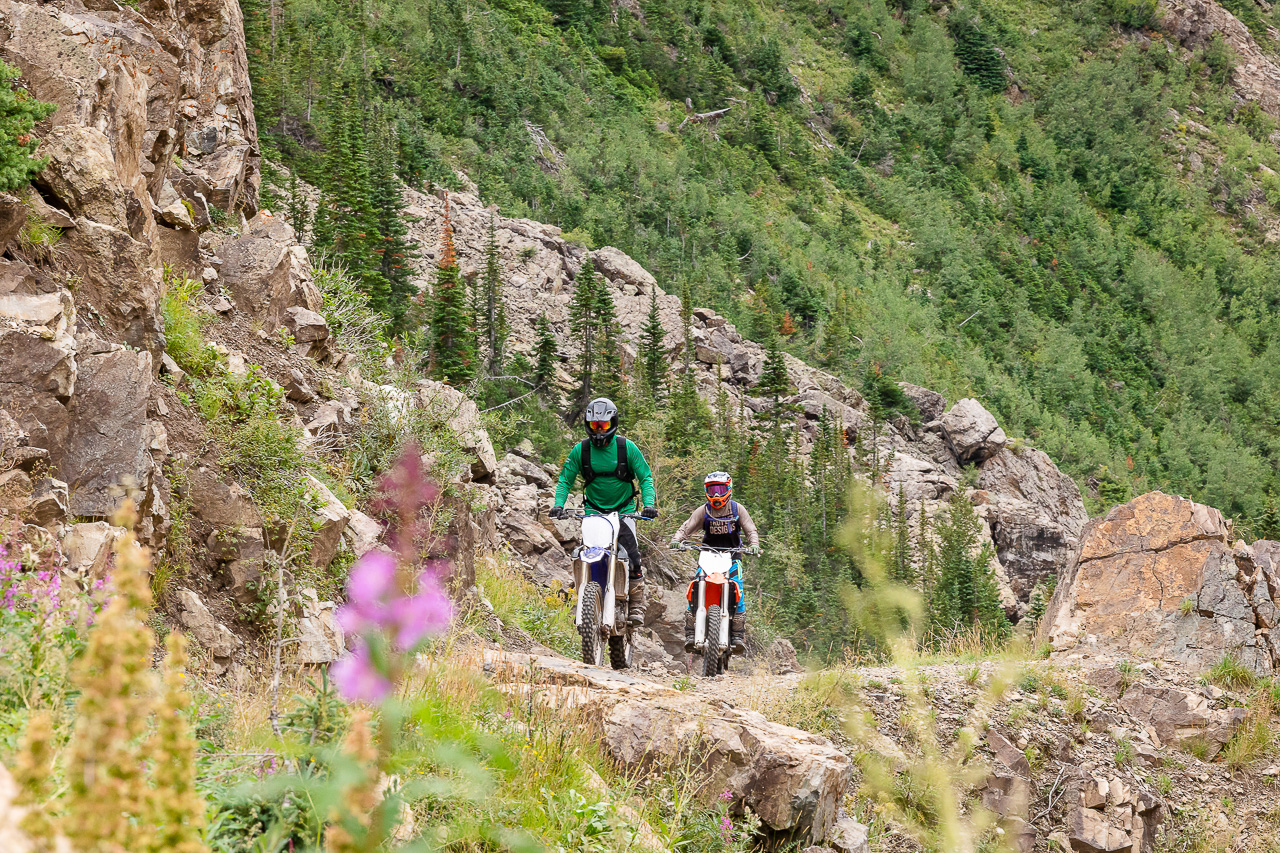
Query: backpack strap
[[623, 471], [584, 458]]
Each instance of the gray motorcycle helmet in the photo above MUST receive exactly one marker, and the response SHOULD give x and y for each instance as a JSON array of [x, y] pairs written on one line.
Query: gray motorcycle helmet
[[600, 410]]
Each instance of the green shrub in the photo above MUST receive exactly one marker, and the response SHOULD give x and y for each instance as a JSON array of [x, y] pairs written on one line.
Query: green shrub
[[18, 114], [1133, 13], [184, 327]]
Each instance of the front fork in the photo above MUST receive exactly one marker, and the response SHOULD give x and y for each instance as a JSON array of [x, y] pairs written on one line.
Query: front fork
[[700, 616]]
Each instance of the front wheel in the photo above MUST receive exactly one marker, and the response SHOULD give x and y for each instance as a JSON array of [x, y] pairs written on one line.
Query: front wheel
[[592, 648], [621, 650], [711, 651]]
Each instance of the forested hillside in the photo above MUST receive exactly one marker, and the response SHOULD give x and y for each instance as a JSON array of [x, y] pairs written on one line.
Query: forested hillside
[[1056, 208]]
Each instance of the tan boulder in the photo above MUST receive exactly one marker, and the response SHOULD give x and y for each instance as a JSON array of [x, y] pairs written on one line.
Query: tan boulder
[[88, 548], [81, 173], [972, 431], [212, 636], [266, 272], [450, 406], [328, 523], [1156, 577], [793, 780]]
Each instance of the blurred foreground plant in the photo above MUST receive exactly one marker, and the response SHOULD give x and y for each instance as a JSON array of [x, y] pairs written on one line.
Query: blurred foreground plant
[[129, 768], [929, 794]]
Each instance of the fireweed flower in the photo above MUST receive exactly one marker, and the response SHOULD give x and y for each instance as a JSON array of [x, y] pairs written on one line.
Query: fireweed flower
[[358, 678], [394, 601]]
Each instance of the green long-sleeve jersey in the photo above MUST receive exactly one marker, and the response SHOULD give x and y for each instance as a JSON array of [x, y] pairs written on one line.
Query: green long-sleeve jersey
[[606, 493]]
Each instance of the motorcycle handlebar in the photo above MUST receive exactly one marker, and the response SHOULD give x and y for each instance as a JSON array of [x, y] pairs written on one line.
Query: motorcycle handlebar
[[693, 546], [580, 514]]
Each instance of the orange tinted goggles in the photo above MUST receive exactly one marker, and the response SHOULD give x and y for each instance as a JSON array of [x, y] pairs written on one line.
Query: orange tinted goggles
[[598, 426]]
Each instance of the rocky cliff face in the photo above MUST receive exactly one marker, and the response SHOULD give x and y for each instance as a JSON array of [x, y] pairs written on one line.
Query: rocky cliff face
[[1032, 513], [1159, 577]]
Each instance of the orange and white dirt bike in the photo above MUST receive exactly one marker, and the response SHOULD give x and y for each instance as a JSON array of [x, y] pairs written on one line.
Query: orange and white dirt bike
[[713, 593], [602, 578]]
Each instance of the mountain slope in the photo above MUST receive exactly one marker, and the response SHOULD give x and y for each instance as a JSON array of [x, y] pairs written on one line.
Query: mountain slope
[[1032, 203]]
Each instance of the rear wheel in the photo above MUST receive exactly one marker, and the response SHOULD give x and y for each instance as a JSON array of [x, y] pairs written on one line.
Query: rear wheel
[[592, 648], [711, 651], [621, 650]]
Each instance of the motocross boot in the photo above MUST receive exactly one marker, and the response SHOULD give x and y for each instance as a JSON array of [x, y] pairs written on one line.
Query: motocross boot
[[635, 600], [737, 633], [688, 631]]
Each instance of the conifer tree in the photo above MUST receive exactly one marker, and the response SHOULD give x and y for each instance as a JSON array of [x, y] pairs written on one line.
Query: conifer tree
[[346, 224], [584, 320], [452, 338], [548, 354], [687, 416], [299, 215], [774, 383], [652, 352], [393, 250], [901, 568], [491, 325], [609, 382], [965, 595]]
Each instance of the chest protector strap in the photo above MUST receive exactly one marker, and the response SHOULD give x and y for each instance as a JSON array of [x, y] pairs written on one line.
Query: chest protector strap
[[622, 472], [722, 525]]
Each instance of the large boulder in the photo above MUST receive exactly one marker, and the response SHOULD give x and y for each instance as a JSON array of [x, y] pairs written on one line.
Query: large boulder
[[972, 431], [108, 443], [328, 523], [40, 369], [81, 173], [1036, 515], [1156, 577], [119, 278], [211, 635], [616, 265], [267, 272], [793, 780], [457, 411]]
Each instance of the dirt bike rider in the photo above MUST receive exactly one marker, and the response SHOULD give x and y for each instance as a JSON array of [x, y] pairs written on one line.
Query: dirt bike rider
[[723, 521], [609, 466]]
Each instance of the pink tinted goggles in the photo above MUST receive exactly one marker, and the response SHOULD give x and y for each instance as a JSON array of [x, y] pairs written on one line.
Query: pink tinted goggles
[[717, 490]]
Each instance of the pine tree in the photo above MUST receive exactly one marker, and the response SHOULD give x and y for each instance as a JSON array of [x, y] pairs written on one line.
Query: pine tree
[[18, 114], [346, 224], [652, 352], [584, 320], [299, 215], [901, 568], [965, 595], [452, 339], [687, 415], [774, 383], [394, 251], [491, 324], [548, 354], [610, 381]]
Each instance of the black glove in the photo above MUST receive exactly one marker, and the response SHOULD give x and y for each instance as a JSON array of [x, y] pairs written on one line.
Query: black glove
[[649, 512], [556, 512]]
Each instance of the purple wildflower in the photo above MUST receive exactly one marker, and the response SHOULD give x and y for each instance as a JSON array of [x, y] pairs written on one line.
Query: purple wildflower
[[358, 678], [726, 795]]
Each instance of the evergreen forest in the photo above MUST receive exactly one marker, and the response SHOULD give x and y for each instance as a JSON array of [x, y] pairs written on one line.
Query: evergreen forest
[[1054, 208]]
